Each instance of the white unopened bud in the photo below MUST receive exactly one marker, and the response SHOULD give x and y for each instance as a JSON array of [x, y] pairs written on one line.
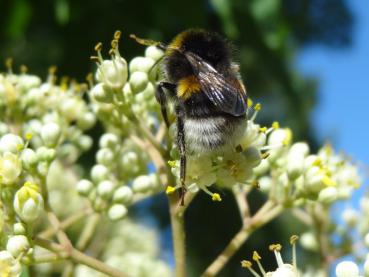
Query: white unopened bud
[[9, 265], [328, 195], [105, 189], [45, 154], [84, 142], [123, 195], [28, 202], [301, 148], [252, 156], [309, 242], [265, 183], [101, 93], [138, 81], [99, 173], [347, 269], [10, 168], [11, 143], [86, 121], [127, 93], [295, 164], [109, 140], [142, 184], [154, 53], [17, 245], [19, 228], [105, 156], [29, 158], [72, 108], [117, 211], [141, 64], [84, 187], [50, 134]]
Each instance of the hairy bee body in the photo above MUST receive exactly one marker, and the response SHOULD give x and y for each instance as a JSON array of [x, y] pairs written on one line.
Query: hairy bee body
[[206, 126]]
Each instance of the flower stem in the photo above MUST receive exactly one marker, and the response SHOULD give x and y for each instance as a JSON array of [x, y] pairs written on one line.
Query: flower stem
[[239, 239], [178, 234], [80, 257]]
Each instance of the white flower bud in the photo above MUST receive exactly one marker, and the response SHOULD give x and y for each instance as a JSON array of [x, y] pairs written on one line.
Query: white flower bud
[[84, 142], [262, 168], [99, 173], [86, 121], [351, 217], [141, 64], [43, 168], [347, 269], [313, 179], [11, 143], [10, 168], [295, 161], [154, 53], [72, 108], [9, 264], [105, 157], [109, 140], [105, 189], [17, 244], [84, 187], [28, 202], [19, 228], [127, 93], [265, 183], [301, 148], [50, 134], [102, 93], [328, 195], [113, 73], [26, 82], [309, 242], [117, 211], [45, 154], [138, 81], [142, 183], [123, 195], [29, 158]]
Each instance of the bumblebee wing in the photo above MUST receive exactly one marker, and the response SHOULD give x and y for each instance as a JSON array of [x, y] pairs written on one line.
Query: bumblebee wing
[[227, 96]]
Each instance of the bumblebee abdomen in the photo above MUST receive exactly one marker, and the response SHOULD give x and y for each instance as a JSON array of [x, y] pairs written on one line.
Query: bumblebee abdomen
[[211, 133]]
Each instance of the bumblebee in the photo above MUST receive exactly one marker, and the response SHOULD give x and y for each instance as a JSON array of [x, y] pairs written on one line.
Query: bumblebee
[[204, 84]]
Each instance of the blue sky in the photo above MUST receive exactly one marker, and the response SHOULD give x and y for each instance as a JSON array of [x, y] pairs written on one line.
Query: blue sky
[[342, 112]]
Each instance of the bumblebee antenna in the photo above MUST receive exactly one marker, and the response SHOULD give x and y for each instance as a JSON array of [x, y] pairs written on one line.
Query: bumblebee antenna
[[148, 42]]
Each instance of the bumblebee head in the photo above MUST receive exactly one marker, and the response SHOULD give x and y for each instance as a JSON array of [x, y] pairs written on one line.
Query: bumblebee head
[[209, 46]]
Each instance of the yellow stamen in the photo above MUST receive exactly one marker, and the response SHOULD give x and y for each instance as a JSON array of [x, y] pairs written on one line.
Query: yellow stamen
[[293, 239], [23, 69], [9, 64], [170, 190], [246, 264], [328, 181], [117, 34], [172, 164], [255, 184], [249, 102], [98, 47], [265, 155], [275, 125], [52, 69], [287, 140], [257, 107], [216, 197], [147, 42], [263, 129], [28, 136], [275, 247], [114, 44], [256, 256]]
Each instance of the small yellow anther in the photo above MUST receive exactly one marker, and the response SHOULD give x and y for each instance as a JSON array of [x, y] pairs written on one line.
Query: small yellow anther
[[53, 69], [114, 43], [256, 256], [255, 184], [28, 136], [20, 147], [328, 181], [89, 77], [257, 107], [117, 34], [246, 264], [111, 51], [265, 155], [170, 190], [94, 58], [293, 239], [23, 69], [98, 47], [287, 140], [216, 197], [275, 247], [172, 164], [275, 125], [249, 102], [263, 129], [9, 63]]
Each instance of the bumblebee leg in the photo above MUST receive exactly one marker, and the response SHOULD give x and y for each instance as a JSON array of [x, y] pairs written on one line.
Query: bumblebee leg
[[182, 151], [162, 99]]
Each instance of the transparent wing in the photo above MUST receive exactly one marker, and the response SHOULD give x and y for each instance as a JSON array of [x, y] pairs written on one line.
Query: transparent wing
[[227, 96]]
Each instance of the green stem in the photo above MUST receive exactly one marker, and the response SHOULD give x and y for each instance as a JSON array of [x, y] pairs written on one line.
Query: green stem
[[80, 258], [239, 239]]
